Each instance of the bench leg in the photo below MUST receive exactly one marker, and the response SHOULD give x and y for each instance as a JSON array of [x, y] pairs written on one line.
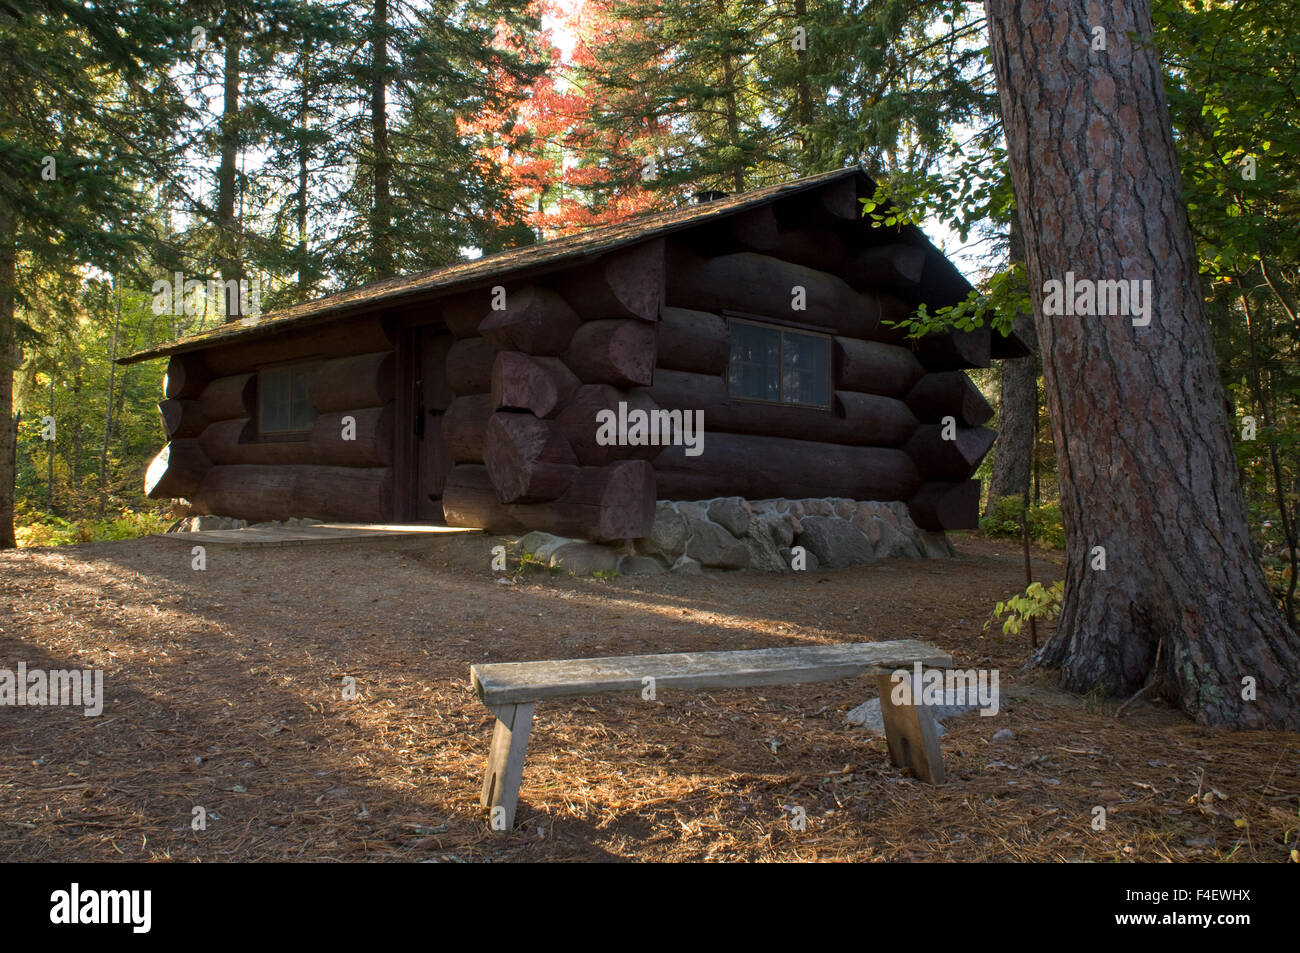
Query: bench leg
[[909, 730], [505, 765]]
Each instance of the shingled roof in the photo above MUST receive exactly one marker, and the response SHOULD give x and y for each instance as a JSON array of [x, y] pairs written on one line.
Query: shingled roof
[[516, 262]]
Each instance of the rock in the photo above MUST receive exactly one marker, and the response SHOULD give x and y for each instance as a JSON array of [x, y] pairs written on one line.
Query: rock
[[583, 559], [844, 508], [936, 545], [816, 508], [894, 543], [712, 545], [640, 566], [810, 560], [689, 566], [867, 716], [667, 533], [541, 545], [731, 514], [764, 553], [693, 511], [1002, 734], [836, 543]]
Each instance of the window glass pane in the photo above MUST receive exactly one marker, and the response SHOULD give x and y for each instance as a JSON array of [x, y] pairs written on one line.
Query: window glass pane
[[755, 365], [273, 398], [806, 378], [301, 415]]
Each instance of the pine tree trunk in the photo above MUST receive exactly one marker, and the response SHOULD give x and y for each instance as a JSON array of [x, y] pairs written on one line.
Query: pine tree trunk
[[226, 181], [1144, 451], [1013, 454], [10, 359], [381, 215]]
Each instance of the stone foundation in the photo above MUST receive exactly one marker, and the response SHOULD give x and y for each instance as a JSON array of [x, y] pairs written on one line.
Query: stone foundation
[[733, 533]]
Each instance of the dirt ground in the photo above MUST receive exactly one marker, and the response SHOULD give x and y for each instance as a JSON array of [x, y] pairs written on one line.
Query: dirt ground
[[225, 692]]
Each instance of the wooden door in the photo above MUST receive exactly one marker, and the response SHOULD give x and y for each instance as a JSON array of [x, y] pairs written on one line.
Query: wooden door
[[427, 396]]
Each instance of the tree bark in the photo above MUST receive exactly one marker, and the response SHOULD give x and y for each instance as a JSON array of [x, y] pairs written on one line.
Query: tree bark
[[1017, 405], [227, 226], [10, 360], [1144, 450], [381, 214]]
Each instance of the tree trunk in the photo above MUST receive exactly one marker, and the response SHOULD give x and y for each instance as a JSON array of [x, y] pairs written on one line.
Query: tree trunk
[[10, 359], [1145, 459], [1017, 405], [381, 213], [108, 403], [228, 243]]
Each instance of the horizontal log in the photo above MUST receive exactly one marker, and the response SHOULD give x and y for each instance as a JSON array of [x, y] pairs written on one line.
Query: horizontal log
[[603, 504], [186, 376], [354, 438], [871, 367], [763, 285], [948, 394], [176, 470], [358, 494], [231, 442], [527, 459], [949, 460], [344, 338], [693, 341], [616, 351], [463, 426], [182, 418], [535, 320], [580, 419], [759, 467], [538, 384], [944, 506], [895, 267], [226, 398], [469, 366], [279, 492], [628, 283], [350, 383], [955, 350], [856, 419]]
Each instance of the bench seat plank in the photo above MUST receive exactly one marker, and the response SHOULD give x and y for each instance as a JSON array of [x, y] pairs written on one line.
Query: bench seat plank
[[512, 683]]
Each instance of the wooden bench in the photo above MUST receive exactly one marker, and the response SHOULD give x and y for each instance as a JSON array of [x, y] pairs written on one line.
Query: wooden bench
[[511, 690]]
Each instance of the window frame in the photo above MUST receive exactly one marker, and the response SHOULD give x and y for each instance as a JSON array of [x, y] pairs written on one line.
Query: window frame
[[284, 436], [739, 317]]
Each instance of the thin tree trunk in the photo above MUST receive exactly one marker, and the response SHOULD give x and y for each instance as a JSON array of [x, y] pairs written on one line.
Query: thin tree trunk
[[227, 227], [10, 359], [381, 215], [1017, 406], [108, 404], [1144, 451], [804, 103], [1286, 517], [49, 453], [304, 106]]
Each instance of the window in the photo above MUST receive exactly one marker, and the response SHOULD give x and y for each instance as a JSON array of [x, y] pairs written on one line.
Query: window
[[283, 404], [779, 365]]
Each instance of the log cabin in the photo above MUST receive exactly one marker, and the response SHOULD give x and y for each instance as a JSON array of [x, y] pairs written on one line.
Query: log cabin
[[472, 394]]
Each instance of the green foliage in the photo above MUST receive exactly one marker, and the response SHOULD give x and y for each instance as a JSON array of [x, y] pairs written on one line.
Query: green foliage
[[1036, 602], [46, 529], [1045, 526]]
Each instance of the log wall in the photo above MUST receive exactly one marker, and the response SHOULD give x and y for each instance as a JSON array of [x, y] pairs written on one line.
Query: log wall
[[217, 459], [536, 363]]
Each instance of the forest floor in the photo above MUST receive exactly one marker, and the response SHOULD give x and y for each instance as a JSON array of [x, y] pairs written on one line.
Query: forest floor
[[225, 692]]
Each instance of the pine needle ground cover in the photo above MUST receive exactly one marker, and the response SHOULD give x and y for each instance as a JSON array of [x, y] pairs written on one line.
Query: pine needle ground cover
[[225, 691]]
